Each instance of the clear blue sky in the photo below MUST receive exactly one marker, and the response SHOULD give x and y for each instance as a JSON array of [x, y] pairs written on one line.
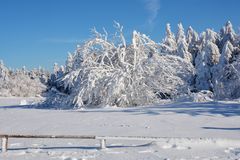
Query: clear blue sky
[[41, 32]]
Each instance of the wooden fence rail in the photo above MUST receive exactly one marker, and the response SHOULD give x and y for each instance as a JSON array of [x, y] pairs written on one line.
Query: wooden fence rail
[[102, 139]]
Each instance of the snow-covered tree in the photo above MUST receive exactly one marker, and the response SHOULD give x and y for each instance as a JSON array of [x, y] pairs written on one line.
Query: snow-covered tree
[[193, 42], [112, 73], [227, 85], [211, 36], [4, 79], [227, 53], [212, 54], [203, 74], [180, 33], [43, 75], [228, 34], [182, 46], [20, 83], [69, 63], [227, 73], [55, 69], [192, 36], [204, 62], [182, 51], [4, 72], [169, 44]]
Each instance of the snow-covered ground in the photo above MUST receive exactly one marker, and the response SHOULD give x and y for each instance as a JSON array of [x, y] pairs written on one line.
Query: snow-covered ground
[[16, 101], [182, 124]]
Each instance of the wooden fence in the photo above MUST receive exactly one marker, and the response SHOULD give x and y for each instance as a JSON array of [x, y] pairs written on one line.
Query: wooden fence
[[103, 139]]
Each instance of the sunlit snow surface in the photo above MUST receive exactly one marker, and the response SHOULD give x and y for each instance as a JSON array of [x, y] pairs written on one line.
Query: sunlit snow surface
[[218, 123]]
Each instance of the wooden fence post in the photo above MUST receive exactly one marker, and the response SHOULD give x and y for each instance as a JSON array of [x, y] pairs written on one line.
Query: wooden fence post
[[4, 144], [103, 144]]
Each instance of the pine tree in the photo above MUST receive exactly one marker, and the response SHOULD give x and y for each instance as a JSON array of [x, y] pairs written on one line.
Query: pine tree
[[227, 53], [69, 63], [169, 44], [203, 74], [227, 84], [193, 43], [228, 34], [4, 80], [55, 69], [4, 72], [182, 46], [212, 54], [192, 36], [205, 62], [180, 33]]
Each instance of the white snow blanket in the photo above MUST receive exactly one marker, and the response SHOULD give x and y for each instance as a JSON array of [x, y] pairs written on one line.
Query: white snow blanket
[[184, 121]]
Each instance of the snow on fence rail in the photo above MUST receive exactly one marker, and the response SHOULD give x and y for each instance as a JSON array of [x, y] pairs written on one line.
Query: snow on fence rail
[[102, 139]]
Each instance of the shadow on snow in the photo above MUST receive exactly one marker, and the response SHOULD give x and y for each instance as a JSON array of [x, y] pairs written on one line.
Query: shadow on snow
[[221, 128], [189, 108]]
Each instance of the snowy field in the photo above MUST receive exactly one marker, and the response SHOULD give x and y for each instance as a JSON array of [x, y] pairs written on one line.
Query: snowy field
[[182, 125]]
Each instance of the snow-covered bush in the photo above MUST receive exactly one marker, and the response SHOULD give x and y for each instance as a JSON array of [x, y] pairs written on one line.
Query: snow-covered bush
[[110, 72]]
